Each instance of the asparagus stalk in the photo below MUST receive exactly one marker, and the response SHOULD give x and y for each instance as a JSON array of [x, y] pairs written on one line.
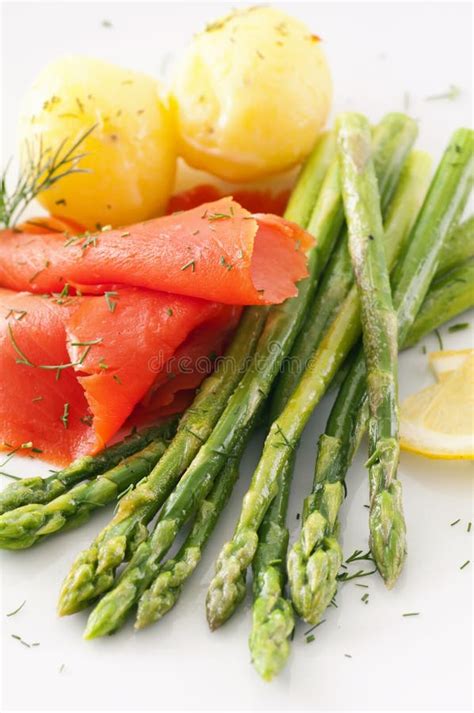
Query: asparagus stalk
[[312, 588], [92, 573], [28, 524], [304, 195], [280, 443], [272, 614], [166, 589], [450, 294], [379, 333], [238, 417], [392, 139], [43, 490], [458, 246]]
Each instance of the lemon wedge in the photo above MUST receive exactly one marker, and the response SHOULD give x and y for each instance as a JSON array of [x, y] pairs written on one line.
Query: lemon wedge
[[438, 422], [445, 362]]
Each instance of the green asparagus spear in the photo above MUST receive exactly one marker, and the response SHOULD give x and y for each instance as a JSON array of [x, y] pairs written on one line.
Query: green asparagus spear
[[93, 571], [458, 246], [42, 490], [281, 441], [313, 587], [238, 417], [28, 524], [272, 614], [392, 139], [379, 332], [165, 591], [304, 195], [450, 294]]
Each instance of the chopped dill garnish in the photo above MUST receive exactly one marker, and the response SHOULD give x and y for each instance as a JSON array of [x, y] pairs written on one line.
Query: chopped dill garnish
[[306, 633], [451, 94], [20, 313], [110, 303], [42, 168], [348, 656], [365, 598], [169, 311], [412, 613], [224, 263], [116, 378], [18, 609], [439, 338], [33, 277], [65, 416], [218, 216], [191, 264], [310, 639], [469, 525], [37, 398], [458, 327], [23, 358], [465, 564], [455, 522]]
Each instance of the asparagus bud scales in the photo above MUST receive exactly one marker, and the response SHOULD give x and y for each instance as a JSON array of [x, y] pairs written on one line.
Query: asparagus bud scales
[[272, 614], [379, 329]]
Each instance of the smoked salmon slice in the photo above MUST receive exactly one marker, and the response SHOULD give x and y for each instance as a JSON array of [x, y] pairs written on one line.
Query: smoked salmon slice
[[74, 368], [218, 252]]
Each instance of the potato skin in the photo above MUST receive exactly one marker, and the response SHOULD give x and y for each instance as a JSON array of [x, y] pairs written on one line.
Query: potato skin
[[131, 152], [251, 95]]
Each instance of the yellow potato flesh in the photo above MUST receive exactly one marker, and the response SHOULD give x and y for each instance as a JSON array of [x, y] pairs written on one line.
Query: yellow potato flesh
[[251, 95], [131, 153]]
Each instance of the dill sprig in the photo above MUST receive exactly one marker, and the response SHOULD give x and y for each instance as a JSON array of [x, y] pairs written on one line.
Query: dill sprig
[[42, 169]]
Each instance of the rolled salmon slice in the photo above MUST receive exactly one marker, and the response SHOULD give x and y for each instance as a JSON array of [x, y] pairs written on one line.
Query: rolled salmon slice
[[218, 252]]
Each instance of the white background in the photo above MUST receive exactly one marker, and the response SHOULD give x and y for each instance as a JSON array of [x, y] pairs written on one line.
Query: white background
[[384, 57]]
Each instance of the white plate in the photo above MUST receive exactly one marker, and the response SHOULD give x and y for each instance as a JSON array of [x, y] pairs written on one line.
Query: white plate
[[381, 55]]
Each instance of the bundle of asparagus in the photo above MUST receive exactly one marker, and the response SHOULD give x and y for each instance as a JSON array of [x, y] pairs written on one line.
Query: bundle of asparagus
[[373, 182]]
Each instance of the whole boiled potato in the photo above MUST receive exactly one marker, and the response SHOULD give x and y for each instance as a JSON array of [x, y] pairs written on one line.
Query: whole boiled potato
[[251, 95], [131, 152]]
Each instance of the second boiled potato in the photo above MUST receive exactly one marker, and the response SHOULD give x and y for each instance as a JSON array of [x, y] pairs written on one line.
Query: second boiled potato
[[251, 95]]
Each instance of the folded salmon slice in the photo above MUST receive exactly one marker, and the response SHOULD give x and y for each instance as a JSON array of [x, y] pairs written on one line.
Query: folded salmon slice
[[217, 251], [74, 368]]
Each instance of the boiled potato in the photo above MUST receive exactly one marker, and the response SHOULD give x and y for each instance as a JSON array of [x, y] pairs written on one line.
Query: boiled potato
[[131, 152], [251, 94]]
